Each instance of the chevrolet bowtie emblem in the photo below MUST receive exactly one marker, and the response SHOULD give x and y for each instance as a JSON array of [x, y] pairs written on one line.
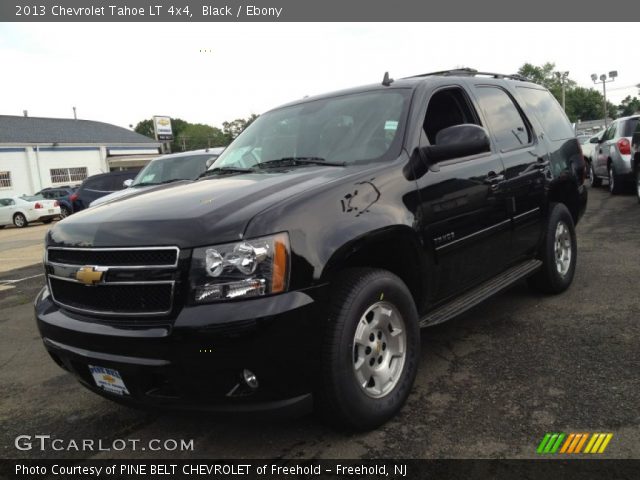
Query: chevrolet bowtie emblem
[[90, 275]]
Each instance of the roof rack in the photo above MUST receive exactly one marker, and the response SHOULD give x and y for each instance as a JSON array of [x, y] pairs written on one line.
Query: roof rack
[[472, 72]]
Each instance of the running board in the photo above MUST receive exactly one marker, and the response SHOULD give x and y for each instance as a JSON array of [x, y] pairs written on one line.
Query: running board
[[480, 293]]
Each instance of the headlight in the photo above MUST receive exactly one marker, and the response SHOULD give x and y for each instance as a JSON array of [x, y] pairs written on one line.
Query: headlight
[[247, 268]]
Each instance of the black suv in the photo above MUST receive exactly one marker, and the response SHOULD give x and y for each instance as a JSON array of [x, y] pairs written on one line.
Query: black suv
[[319, 243]]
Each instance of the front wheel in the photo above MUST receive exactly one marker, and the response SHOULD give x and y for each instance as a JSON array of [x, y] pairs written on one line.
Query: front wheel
[[370, 353], [20, 221], [594, 180], [558, 252]]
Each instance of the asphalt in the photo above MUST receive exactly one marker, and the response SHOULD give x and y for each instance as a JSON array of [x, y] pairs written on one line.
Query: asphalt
[[491, 383]]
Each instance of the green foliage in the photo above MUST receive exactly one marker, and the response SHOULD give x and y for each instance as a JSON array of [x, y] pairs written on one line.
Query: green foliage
[[629, 106], [192, 136]]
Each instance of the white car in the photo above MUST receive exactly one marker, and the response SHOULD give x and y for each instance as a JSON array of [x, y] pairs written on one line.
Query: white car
[[22, 210]]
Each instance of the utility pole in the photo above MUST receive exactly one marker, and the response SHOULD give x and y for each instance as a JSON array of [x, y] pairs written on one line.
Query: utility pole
[[603, 80], [562, 76]]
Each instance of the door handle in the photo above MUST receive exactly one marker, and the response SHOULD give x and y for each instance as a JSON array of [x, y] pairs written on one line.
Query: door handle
[[494, 178]]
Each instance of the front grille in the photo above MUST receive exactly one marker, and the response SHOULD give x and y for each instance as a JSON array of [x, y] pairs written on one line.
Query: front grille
[[165, 257], [113, 298]]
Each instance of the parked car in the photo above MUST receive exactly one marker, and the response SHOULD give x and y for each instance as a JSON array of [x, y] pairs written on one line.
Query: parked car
[[589, 150], [63, 195], [612, 157], [99, 185], [166, 169], [635, 158], [20, 211], [322, 239]]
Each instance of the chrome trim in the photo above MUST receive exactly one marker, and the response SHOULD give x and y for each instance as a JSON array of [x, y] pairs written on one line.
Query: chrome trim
[[106, 284], [116, 249], [474, 234], [107, 313], [524, 214], [110, 267]]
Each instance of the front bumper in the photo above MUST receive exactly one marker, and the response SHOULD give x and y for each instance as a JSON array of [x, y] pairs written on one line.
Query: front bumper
[[198, 362]]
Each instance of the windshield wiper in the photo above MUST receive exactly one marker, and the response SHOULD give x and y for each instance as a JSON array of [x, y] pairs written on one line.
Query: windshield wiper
[[146, 184], [292, 161], [224, 170]]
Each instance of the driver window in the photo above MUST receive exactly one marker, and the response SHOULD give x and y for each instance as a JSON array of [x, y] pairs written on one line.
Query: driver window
[[446, 108]]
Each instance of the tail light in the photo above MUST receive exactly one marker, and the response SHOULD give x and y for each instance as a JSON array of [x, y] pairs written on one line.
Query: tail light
[[73, 197], [38, 205], [56, 203], [624, 146]]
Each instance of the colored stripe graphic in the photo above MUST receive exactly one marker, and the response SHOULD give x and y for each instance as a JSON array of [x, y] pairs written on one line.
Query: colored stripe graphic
[[573, 443]]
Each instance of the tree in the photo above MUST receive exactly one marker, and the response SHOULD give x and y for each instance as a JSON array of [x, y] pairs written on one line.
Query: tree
[[197, 135], [234, 128], [145, 127], [629, 106]]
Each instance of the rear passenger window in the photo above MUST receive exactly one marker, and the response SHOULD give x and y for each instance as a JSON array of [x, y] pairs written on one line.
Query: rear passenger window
[[549, 112], [503, 118], [628, 127]]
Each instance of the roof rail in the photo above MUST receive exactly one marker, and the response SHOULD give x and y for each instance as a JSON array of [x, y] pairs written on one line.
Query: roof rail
[[472, 72]]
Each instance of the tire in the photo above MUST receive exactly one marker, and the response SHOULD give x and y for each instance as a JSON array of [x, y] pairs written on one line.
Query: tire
[[2, 226], [64, 212], [559, 240], [594, 180], [367, 304], [614, 181], [638, 183], [19, 220]]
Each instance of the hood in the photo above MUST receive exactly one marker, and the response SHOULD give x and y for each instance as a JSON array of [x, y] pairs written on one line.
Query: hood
[[126, 192], [209, 211]]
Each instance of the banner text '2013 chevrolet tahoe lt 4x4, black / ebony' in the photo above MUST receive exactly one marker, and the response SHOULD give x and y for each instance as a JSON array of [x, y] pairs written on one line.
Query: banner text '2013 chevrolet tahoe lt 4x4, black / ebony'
[[302, 265]]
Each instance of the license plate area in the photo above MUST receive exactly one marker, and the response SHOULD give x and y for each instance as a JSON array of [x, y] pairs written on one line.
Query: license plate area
[[109, 380]]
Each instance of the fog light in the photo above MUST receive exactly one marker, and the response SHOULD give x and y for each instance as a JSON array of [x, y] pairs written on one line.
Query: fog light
[[250, 378]]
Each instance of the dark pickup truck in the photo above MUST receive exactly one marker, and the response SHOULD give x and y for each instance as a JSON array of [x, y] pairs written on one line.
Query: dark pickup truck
[[302, 266]]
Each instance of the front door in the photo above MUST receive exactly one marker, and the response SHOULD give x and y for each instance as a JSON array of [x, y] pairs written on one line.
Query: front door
[[463, 219]]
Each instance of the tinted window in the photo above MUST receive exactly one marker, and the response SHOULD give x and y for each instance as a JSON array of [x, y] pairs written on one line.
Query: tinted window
[[503, 118], [99, 183], [549, 112], [628, 127]]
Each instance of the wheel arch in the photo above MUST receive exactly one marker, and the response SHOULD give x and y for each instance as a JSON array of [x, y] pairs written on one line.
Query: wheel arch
[[565, 191], [397, 249]]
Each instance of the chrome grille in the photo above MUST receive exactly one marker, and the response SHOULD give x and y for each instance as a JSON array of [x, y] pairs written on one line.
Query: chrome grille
[[114, 282]]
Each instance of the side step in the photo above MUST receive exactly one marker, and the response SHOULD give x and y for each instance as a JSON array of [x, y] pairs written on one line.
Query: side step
[[480, 293]]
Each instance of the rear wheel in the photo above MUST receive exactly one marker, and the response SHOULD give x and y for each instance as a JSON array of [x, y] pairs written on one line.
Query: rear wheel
[[20, 221], [594, 180], [558, 252], [614, 183], [370, 352], [64, 212]]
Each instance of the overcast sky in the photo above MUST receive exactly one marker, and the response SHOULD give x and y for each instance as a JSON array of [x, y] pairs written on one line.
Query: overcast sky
[[212, 72]]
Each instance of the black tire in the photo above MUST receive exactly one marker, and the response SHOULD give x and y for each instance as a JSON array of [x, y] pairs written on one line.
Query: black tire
[[64, 212], [614, 181], [340, 399], [19, 220], [47, 221], [551, 278], [638, 183], [594, 180], [2, 226]]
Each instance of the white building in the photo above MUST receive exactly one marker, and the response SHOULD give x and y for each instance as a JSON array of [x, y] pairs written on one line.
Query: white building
[[42, 152]]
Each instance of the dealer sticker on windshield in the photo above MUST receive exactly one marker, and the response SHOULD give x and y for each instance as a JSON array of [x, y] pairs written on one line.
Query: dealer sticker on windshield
[[109, 380]]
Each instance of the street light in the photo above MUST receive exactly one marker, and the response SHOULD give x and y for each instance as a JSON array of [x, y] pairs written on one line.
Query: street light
[[562, 76], [603, 80]]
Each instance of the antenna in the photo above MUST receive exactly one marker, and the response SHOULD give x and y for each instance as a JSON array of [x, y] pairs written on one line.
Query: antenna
[[386, 81]]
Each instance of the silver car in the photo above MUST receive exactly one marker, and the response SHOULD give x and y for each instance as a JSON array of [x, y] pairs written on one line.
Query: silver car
[[612, 155]]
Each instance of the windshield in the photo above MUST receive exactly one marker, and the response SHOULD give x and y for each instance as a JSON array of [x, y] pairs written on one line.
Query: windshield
[[347, 129], [174, 168]]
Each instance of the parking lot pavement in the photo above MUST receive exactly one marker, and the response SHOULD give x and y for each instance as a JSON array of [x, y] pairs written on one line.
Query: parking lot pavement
[[21, 247], [491, 383]]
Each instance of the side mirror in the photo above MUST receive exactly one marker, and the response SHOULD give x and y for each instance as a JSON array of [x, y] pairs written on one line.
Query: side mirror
[[458, 141], [127, 183]]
